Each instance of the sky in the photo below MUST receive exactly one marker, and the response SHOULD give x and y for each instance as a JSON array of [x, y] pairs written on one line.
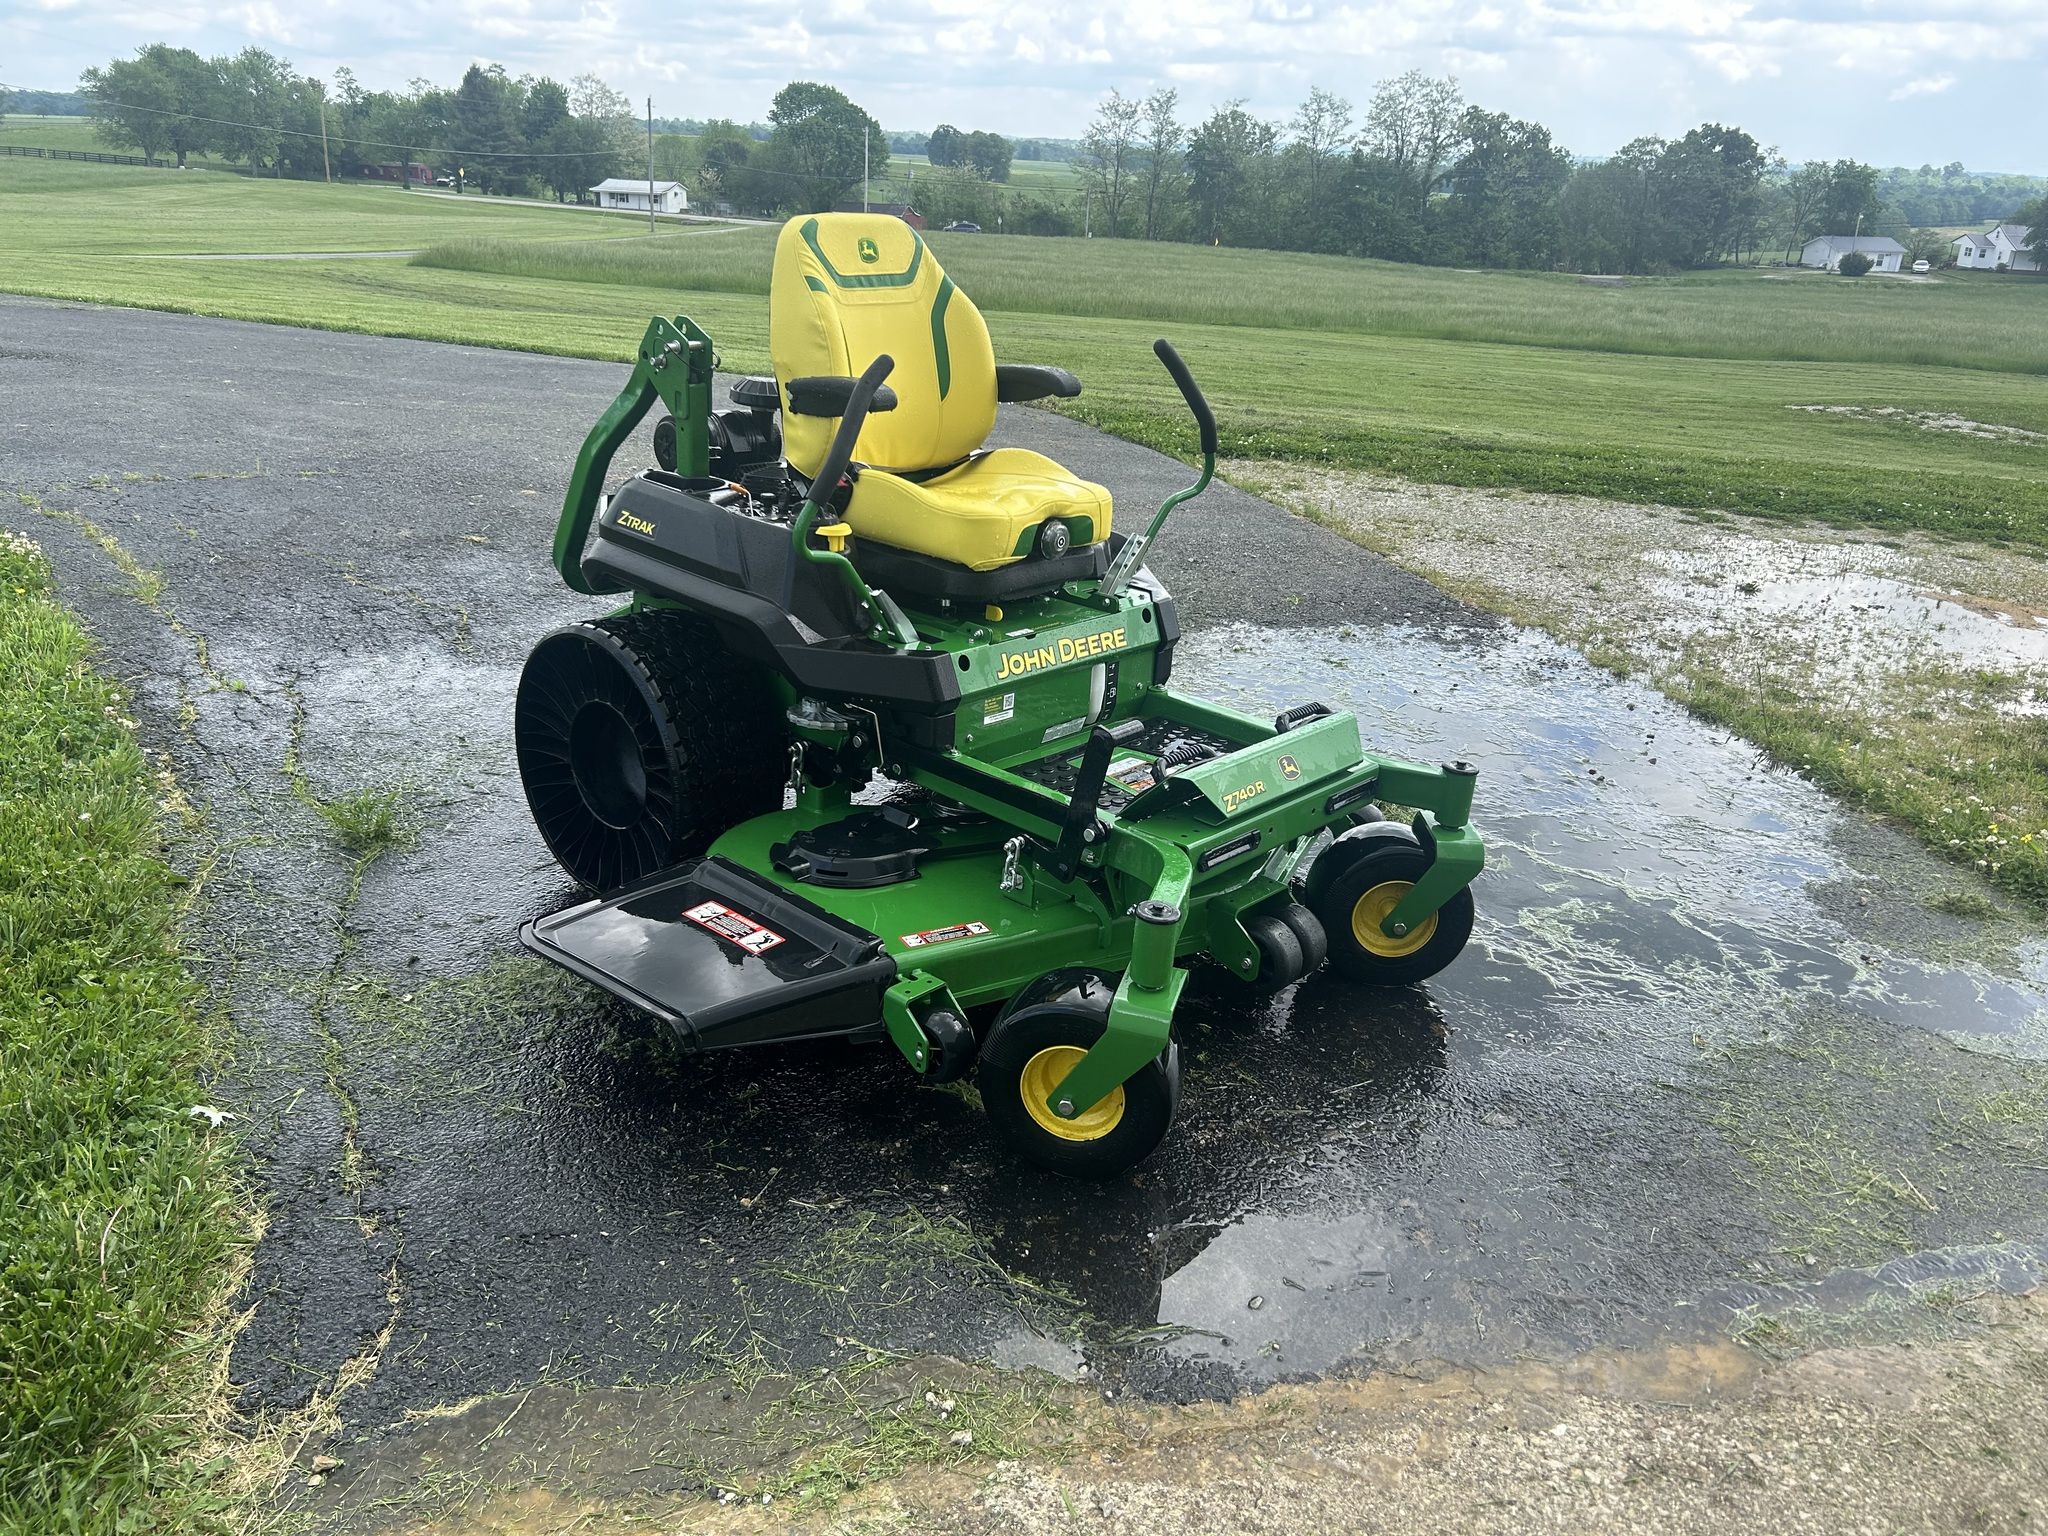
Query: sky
[[1892, 82]]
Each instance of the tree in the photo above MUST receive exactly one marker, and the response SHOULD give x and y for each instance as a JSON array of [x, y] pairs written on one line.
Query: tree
[[1706, 187], [1321, 127], [546, 108], [989, 155], [1505, 190], [1851, 199], [6, 100], [946, 146], [817, 144], [1108, 155], [1928, 245], [485, 126], [1801, 194], [2035, 216], [591, 97], [254, 95], [1415, 123], [1221, 159], [577, 153], [132, 103], [1162, 142], [725, 149]]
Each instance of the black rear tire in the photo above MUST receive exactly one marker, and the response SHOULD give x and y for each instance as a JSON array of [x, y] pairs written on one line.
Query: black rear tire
[[1040, 1035], [640, 739]]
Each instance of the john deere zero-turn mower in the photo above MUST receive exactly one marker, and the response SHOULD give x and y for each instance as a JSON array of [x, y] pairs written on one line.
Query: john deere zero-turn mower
[[835, 590]]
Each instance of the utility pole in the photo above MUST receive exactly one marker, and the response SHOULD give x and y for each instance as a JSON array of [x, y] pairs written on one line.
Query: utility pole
[[650, 165], [863, 167], [326, 168]]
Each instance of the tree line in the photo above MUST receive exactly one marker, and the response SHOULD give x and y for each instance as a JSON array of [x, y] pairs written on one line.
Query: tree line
[[252, 108], [1416, 174], [1421, 175]]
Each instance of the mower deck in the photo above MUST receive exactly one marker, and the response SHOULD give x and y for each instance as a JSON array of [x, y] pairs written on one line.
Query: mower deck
[[722, 957]]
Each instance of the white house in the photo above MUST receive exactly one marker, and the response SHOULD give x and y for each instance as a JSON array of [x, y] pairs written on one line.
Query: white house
[[620, 192], [2001, 246], [1827, 251]]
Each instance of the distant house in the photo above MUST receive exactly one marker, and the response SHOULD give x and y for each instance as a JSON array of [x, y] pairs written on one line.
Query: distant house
[[1827, 251], [903, 211], [398, 172], [620, 192], [2003, 245]]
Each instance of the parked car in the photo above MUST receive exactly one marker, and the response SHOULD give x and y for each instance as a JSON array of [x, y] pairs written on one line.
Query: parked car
[[444, 181], [961, 227], [1921, 266]]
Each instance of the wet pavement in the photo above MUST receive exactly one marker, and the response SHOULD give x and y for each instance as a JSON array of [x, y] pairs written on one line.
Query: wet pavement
[[1717, 1044]]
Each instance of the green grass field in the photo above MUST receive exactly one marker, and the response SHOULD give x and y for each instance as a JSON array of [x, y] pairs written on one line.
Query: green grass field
[[52, 133], [56, 212], [116, 1205], [1777, 316], [1681, 391]]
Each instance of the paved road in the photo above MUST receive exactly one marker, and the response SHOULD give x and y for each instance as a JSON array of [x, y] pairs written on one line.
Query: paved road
[[1706, 1038]]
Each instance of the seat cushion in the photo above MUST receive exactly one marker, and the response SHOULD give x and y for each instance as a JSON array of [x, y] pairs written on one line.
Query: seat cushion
[[982, 515]]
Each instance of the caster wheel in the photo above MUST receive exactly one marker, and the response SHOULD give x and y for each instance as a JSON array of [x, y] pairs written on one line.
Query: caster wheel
[[1047, 1028], [1308, 932], [1281, 961], [949, 1046], [1357, 900], [665, 443]]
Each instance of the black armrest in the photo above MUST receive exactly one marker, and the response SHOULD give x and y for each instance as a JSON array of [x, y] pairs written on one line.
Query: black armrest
[[827, 394], [1017, 382]]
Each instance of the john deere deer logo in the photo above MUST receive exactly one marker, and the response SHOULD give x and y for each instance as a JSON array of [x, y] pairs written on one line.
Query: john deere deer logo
[[869, 251], [1289, 768]]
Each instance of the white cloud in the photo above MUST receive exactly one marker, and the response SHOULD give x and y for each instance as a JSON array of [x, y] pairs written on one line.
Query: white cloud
[[1926, 85]]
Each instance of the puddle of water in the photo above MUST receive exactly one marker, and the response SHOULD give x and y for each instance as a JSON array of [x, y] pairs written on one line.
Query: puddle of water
[[1495, 1181], [1856, 614]]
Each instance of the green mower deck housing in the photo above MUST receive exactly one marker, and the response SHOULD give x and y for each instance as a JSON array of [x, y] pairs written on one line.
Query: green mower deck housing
[[965, 812]]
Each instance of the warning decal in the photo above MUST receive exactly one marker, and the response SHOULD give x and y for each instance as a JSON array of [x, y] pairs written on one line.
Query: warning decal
[[733, 927], [1135, 774], [941, 935]]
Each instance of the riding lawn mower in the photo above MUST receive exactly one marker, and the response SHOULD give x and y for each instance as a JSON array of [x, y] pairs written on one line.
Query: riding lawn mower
[[882, 743]]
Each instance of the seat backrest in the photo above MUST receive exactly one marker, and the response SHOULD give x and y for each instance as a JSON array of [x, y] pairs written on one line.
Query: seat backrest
[[848, 287]]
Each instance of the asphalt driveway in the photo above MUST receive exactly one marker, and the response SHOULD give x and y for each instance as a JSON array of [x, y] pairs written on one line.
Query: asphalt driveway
[[1711, 1048]]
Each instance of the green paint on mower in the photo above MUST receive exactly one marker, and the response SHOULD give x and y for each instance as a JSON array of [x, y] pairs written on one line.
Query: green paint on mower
[[814, 801]]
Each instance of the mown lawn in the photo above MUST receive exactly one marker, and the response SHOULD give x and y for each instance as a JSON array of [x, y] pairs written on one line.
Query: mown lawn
[[53, 211], [1492, 379], [117, 1204], [1968, 320]]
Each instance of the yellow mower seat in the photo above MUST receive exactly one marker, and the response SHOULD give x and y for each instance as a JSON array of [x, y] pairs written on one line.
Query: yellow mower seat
[[983, 515], [848, 287]]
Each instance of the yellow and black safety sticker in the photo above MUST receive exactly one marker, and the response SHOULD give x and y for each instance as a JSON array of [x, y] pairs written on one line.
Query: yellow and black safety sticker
[[944, 935]]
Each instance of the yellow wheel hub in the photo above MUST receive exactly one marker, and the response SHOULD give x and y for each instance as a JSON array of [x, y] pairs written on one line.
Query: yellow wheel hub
[[1371, 909], [1045, 1072]]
